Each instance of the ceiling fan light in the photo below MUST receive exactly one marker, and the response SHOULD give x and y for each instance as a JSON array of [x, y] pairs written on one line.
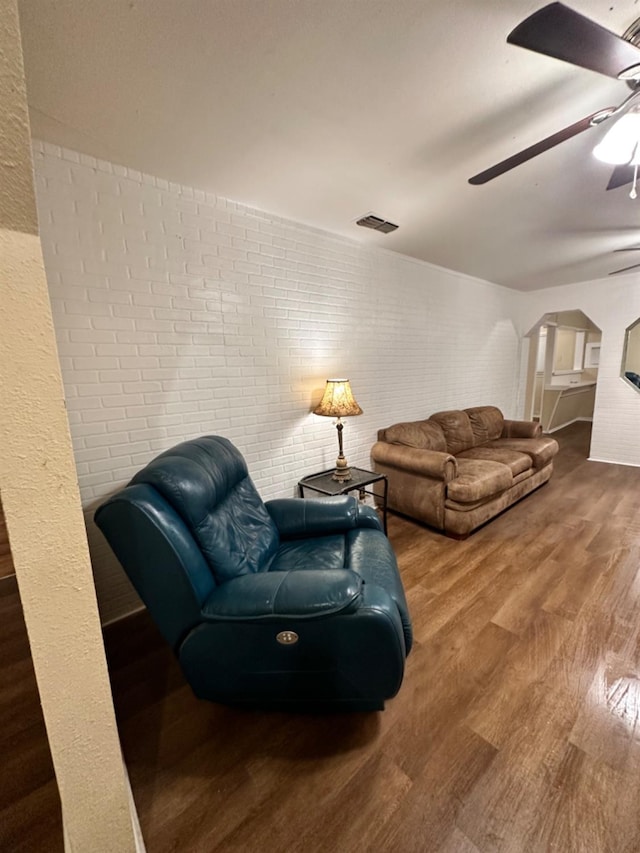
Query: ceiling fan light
[[631, 73], [621, 142]]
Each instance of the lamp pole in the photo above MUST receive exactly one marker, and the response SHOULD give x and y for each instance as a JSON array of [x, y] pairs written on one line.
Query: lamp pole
[[342, 472]]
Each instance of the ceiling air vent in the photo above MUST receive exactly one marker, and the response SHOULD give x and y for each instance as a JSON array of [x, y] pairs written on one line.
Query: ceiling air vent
[[375, 222]]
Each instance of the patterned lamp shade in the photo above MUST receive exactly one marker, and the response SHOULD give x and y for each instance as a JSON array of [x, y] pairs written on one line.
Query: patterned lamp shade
[[338, 400]]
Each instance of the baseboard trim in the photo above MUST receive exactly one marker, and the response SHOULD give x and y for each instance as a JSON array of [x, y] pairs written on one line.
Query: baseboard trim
[[613, 462], [135, 821], [123, 616]]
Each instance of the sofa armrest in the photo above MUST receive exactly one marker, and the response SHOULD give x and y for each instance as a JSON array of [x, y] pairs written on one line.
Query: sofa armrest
[[521, 429], [430, 463], [303, 594]]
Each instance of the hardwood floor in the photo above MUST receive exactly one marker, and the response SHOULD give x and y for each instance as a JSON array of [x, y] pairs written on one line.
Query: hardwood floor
[[30, 817], [516, 729], [6, 564]]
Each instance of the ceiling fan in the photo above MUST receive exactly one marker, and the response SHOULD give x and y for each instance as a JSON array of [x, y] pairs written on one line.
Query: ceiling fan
[[560, 32], [626, 269]]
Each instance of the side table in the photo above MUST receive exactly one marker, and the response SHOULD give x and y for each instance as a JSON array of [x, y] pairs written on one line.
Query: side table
[[323, 483]]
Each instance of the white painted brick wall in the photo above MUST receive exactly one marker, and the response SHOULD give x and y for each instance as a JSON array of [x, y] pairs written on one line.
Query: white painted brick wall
[[179, 313]]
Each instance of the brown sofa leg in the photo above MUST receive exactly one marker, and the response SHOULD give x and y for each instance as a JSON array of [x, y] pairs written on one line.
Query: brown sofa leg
[[459, 536]]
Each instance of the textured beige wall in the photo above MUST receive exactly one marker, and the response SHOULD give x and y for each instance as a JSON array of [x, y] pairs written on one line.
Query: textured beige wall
[[42, 507], [17, 198]]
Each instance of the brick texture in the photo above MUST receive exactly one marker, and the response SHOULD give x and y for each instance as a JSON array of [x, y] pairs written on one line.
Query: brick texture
[[179, 313]]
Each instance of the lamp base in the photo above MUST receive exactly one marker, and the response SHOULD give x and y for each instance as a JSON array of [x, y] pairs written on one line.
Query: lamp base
[[342, 472], [342, 475]]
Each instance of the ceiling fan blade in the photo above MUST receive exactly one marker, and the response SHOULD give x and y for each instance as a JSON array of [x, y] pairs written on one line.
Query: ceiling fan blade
[[625, 269], [557, 31], [534, 150], [620, 176], [630, 249]]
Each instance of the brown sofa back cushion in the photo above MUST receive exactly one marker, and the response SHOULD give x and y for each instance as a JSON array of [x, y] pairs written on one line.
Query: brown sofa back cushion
[[421, 434], [457, 430], [486, 423]]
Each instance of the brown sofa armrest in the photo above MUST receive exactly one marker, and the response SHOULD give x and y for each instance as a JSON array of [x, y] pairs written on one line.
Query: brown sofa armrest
[[430, 463], [521, 429]]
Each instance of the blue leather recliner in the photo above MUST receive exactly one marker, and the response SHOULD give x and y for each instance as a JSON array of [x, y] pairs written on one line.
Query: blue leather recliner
[[296, 603]]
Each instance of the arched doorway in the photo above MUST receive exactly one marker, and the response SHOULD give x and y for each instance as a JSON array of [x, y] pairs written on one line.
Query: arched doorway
[[562, 374]]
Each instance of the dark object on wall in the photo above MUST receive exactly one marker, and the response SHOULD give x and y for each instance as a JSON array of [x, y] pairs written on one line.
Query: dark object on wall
[[290, 603]]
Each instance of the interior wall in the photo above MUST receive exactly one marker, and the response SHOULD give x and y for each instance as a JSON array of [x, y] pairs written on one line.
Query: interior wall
[[179, 313], [612, 304], [41, 504]]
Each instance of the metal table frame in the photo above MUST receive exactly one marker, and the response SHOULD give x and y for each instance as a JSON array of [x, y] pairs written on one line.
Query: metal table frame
[[323, 484]]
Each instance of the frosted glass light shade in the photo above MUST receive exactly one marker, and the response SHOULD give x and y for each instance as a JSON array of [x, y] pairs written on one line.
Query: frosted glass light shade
[[337, 400], [621, 144]]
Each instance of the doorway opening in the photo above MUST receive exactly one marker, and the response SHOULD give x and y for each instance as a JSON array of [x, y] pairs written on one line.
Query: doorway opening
[[562, 373]]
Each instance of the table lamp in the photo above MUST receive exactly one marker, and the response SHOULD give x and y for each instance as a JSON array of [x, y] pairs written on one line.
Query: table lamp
[[338, 402]]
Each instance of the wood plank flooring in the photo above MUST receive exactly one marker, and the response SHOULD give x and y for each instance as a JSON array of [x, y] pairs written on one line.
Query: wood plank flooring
[[516, 729], [30, 817], [6, 563]]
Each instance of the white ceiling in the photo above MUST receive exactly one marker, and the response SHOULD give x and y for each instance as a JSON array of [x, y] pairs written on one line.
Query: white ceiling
[[324, 110]]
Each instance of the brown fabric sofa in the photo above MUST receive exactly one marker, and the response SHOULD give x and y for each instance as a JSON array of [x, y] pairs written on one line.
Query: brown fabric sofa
[[458, 469]]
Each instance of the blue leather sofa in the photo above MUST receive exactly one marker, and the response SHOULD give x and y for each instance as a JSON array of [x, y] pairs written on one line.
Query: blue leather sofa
[[291, 603]]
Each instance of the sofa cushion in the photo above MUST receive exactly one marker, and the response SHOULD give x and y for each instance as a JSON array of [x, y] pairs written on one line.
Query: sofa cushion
[[456, 428], [541, 450], [517, 462], [518, 478], [420, 434], [478, 479], [486, 423]]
